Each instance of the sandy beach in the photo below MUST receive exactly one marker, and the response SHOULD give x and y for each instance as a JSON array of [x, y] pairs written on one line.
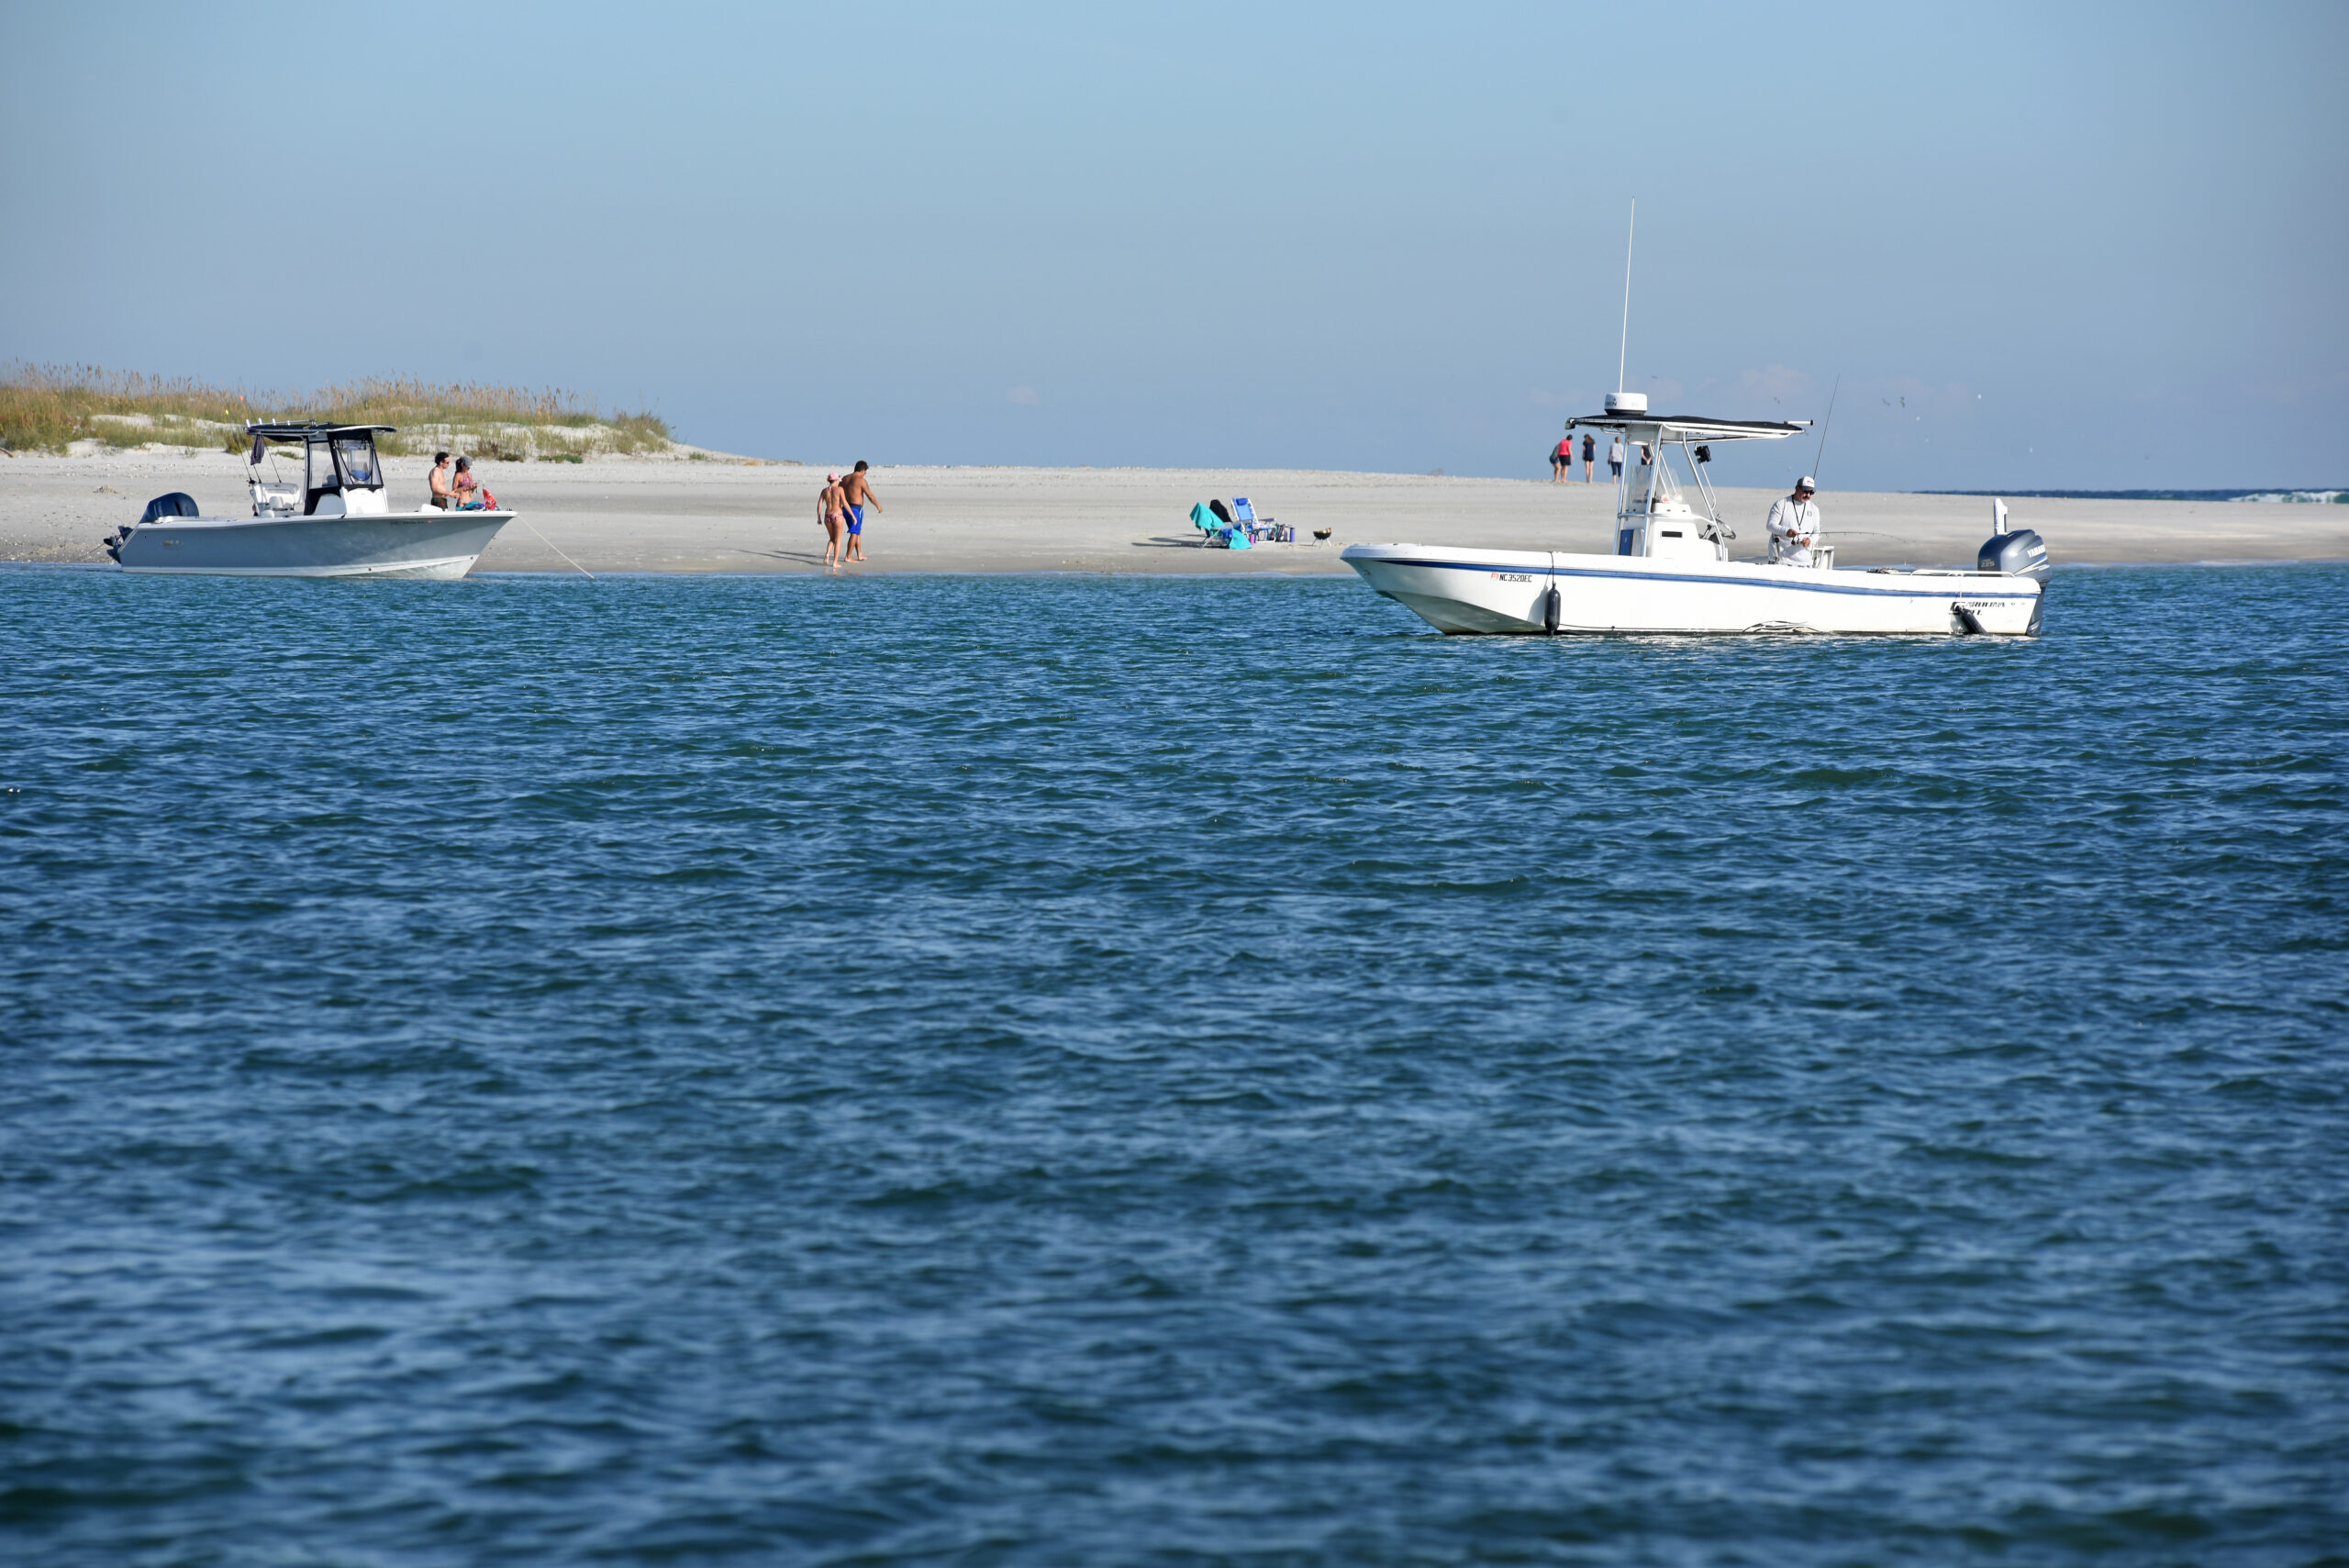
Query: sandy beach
[[665, 514]]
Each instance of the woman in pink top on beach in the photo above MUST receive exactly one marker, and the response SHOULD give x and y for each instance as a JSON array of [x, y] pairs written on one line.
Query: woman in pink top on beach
[[831, 510]]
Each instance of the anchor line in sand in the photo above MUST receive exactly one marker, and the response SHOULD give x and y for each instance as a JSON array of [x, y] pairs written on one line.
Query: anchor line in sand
[[557, 548]]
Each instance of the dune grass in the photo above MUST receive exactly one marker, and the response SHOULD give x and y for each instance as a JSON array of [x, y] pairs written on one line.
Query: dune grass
[[49, 407]]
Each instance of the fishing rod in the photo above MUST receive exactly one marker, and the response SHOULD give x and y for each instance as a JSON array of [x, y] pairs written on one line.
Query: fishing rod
[[1824, 427]]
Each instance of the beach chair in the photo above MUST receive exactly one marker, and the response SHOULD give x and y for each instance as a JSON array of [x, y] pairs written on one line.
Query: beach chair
[[1260, 527], [1242, 521], [1221, 528]]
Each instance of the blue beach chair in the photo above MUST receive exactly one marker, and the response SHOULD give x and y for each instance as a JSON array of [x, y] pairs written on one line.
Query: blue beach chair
[[1260, 527]]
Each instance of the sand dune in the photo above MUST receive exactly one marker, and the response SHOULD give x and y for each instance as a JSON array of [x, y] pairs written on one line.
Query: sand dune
[[630, 515]]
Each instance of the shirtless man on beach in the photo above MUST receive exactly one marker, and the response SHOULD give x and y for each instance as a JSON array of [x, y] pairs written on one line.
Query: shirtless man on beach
[[857, 493], [443, 496]]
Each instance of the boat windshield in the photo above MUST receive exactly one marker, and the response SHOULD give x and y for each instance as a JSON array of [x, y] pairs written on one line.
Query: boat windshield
[[357, 454], [321, 466], [1653, 470]]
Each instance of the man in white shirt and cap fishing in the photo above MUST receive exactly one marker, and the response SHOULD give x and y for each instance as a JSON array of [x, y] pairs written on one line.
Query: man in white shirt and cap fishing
[[1794, 524]]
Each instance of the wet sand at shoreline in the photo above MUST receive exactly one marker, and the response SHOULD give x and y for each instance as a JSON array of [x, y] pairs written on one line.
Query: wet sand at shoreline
[[639, 515]]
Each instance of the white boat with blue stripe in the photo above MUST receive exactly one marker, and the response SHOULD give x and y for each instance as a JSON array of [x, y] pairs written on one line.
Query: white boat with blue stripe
[[1671, 573]]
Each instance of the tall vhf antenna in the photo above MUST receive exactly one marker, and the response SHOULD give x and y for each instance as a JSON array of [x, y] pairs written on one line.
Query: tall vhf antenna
[[1623, 353]]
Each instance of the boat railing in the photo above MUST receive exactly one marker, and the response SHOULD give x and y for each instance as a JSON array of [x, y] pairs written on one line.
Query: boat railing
[[1822, 557]]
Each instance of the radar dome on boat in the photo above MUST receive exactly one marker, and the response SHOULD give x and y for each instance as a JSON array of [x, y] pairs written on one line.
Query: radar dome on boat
[[1627, 402]]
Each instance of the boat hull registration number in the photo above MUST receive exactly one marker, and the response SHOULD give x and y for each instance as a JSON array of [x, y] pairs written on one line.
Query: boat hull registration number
[[1513, 576]]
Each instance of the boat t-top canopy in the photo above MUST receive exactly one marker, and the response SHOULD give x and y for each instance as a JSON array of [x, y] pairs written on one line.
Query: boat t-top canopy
[[1645, 492], [1690, 428], [336, 457], [311, 430]]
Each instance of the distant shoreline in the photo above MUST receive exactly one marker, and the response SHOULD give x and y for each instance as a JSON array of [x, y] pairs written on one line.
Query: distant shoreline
[[672, 451], [662, 513]]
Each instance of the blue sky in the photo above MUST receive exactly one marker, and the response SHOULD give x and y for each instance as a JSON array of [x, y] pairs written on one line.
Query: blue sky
[[2042, 245]]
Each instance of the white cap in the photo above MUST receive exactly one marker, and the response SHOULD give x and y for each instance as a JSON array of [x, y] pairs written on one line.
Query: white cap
[[1806, 483]]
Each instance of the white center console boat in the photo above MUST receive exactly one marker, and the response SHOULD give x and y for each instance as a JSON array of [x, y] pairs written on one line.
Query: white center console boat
[[332, 519], [1670, 571]]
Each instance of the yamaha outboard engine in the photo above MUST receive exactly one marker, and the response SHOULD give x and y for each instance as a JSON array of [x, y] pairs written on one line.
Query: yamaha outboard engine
[[2019, 552]]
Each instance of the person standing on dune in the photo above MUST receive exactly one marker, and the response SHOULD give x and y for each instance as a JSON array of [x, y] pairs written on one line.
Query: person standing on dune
[[858, 492]]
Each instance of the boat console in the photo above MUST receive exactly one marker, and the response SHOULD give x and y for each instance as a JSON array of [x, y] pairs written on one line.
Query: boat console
[[342, 475], [1655, 518]]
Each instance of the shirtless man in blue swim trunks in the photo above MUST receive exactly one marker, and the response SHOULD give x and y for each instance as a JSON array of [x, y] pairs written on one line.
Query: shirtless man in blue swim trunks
[[857, 492]]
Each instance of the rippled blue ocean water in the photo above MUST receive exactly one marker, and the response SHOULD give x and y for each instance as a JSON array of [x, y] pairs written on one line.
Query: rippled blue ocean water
[[1031, 1070]]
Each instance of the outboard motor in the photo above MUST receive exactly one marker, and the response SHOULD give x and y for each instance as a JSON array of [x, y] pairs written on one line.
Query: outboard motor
[[2019, 553], [178, 504]]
